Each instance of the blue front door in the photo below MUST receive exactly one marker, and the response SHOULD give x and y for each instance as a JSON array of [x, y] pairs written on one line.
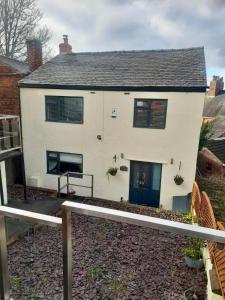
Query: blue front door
[[145, 181]]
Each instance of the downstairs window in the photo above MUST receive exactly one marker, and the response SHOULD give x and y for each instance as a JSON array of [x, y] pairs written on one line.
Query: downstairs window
[[60, 162]]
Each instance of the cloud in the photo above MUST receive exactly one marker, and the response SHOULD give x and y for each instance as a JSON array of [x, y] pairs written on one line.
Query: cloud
[[95, 25]]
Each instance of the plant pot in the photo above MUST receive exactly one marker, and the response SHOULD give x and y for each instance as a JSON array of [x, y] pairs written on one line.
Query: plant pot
[[178, 179], [193, 263], [112, 171], [190, 295]]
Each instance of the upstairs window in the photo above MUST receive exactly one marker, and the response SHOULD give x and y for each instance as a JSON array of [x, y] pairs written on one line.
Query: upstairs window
[[64, 109], [150, 113], [59, 163]]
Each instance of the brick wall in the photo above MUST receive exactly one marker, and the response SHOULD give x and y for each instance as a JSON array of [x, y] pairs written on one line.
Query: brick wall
[[9, 92]]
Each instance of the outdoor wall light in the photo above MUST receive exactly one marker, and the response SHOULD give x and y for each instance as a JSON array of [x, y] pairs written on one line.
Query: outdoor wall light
[[99, 137], [122, 155], [171, 161]]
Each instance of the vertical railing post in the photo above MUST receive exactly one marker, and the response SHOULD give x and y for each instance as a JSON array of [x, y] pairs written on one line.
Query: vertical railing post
[[26, 200], [92, 186], [67, 184], [4, 272], [67, 253], [59, 188]]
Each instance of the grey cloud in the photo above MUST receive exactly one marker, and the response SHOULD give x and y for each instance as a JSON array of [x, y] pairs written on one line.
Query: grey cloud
[[95, 25]]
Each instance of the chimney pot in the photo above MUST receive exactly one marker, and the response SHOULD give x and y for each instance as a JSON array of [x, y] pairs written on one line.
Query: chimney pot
[[65, 47], [34, 54]]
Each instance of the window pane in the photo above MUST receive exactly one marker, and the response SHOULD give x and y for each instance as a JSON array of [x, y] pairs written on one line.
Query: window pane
[[158, 114], [70, 167], [73, 158], [71, 162], [52, 162], [142, 103], [52, 155], [71, 109], [141, 117], [51, 109], [156, 177]]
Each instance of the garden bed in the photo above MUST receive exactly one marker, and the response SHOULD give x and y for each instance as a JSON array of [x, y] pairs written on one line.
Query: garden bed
[[110, 260]]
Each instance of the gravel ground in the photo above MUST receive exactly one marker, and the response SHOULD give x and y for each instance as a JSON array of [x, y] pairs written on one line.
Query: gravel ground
[[110, 261]]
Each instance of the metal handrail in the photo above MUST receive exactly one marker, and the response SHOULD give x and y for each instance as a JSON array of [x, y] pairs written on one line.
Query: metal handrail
[[68, 184], [21, 215], [125, 217], [6, 117]]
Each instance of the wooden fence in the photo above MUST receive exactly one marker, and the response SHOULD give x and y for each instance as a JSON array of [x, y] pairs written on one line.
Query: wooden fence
[[203, 212]]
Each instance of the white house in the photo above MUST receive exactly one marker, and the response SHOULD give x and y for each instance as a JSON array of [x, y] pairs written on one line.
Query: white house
[[138, 111]]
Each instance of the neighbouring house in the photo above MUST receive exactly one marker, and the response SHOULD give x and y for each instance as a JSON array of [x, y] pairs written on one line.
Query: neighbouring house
[[209, 164], [137, 111], [217, 147], [214, 107], [214, 112], [11, 71]]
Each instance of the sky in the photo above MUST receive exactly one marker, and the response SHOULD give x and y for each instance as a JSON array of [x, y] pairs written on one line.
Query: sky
[[105, 25]]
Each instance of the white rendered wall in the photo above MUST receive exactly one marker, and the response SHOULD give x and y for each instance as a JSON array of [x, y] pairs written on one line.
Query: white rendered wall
[[4, 183], [178, 141]]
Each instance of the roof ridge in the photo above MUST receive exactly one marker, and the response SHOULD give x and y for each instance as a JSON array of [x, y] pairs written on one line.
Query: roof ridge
[[137, 51], [13, 59]]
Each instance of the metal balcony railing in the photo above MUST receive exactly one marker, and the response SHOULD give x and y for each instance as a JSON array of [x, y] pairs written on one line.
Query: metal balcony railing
[[65, 224], [9, 133]]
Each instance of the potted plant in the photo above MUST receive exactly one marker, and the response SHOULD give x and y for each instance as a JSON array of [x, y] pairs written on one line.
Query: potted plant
[[178, 179], [71, 194], [193, 254], [112, 171], [190, 294]]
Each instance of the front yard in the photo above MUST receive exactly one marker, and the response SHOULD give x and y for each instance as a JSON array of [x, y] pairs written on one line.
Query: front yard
[[110, 261]]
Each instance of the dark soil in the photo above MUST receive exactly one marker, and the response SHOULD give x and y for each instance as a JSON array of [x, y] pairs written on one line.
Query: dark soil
[[110, 261]]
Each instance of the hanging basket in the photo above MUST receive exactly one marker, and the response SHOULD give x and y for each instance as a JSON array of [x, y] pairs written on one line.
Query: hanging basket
[[178, 179], [112, 171]]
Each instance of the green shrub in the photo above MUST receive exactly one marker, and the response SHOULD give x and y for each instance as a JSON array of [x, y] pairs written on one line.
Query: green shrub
[[194, 250]]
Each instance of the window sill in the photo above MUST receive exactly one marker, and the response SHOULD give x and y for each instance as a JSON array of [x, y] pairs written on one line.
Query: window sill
[[73, 176], [65, 122], [139, 127]]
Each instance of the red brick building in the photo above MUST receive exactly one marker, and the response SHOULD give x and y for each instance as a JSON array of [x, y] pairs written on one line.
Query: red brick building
[[11, 71]]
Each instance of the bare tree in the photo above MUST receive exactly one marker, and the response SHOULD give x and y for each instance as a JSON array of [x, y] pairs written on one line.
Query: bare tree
[[19, 20]]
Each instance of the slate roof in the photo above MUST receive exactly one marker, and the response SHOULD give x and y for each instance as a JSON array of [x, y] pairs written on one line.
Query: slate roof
[[217, 147], [18, 66], [181, 68], [215, 108]]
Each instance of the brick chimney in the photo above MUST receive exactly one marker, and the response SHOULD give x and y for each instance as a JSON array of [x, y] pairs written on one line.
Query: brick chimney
[[34, 54], [65, 47], [216, 86]]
